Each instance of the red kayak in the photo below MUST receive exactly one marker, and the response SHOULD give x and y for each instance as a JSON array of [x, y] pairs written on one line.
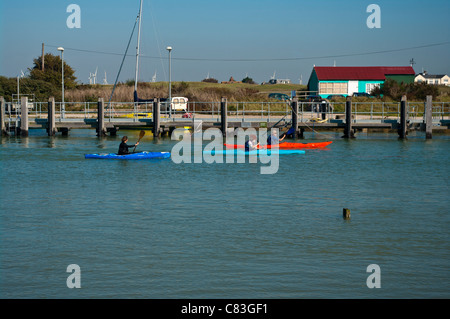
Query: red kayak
[[291, 146]]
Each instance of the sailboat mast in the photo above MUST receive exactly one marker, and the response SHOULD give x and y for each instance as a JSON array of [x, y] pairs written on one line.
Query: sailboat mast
[[137, 48]]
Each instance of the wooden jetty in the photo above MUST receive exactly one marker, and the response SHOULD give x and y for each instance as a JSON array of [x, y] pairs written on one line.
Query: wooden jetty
[[226, 122]]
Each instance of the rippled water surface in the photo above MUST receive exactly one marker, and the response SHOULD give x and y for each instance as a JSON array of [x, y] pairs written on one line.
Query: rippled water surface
[[156, 229]]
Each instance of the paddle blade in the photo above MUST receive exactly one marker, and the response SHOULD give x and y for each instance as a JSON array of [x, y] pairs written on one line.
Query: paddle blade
[[141, 135]]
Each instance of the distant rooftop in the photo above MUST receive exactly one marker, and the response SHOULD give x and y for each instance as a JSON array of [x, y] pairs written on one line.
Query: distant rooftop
[[432, 76]]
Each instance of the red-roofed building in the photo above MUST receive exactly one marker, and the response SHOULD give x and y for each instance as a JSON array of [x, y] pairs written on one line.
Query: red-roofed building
[[339, 80]]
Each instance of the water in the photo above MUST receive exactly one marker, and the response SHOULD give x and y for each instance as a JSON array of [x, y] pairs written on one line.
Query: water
[[156, 229]]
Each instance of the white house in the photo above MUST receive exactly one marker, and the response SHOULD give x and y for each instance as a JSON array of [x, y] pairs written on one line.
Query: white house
[[436, 79]]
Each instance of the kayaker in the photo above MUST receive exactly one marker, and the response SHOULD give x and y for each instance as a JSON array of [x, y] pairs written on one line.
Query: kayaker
[[251, 144], [273, 138], [123, 147]]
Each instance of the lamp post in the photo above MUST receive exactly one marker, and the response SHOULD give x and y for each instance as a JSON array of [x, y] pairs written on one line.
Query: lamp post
[[169, 48], [63, 109]]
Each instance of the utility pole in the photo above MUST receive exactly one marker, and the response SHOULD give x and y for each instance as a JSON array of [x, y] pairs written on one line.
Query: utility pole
[[137, 48], [43, 62], [63, 108]]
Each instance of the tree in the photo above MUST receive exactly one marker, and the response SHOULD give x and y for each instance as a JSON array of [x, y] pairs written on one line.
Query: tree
[[8, 87], [40, 89], [395, 90], [52, 71], [248, 80], [210, 80]]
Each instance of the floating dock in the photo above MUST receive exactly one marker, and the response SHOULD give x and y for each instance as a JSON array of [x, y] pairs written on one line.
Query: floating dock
[[225, 119]]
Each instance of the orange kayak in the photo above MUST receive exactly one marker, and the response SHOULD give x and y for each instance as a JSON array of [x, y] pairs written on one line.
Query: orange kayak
[[287, 146]]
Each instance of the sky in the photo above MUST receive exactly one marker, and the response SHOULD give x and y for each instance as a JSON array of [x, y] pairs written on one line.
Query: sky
[[224, 38]]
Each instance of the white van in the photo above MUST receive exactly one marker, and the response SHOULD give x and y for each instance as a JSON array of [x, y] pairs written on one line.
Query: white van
[[179, 103]]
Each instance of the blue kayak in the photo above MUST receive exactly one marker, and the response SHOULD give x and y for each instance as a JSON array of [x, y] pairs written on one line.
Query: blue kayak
[[255, 152], [133, 156]]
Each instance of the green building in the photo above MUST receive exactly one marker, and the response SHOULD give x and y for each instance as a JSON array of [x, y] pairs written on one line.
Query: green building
[[347, 81]]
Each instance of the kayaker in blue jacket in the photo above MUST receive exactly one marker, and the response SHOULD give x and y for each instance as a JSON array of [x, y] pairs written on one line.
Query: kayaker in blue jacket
[[273, 138], [251, 144], [123, 147]]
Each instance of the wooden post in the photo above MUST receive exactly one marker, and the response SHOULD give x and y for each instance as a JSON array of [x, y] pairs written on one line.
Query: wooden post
[[294, 111], [24, 116], [224, 116], [2, 117], [324, 109], [65, 131], [302, 131], [403, 114], [156, 117], [429, 117], [348, 131], [51, 126], [171, 129], [100, 118], [346, 213], [112, 131]]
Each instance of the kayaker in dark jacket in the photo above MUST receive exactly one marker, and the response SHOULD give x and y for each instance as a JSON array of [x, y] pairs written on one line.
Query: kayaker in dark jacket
[[251, 144], [123, 147]]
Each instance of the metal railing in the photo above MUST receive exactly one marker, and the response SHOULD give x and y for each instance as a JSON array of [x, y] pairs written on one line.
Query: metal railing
[[237, 111]]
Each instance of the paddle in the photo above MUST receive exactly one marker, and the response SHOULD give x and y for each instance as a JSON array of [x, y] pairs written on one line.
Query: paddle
[[141, 135]]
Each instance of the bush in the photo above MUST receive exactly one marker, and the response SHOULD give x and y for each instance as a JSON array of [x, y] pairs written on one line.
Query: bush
[[180, 88], [413, 91], [210, 80], [42, 90], [248, 80]]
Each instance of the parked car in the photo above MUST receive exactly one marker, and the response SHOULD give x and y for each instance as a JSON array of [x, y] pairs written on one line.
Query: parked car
[[316, 104], [335, 96], [313, 98], [363, 94], [279, 96]]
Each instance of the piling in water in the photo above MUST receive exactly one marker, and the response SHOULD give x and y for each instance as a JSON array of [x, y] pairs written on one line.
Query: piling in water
[[2, 116], [402, 131], [156, 117], [224, 116], [51, 124], [24, 116], [348, 131], [346, 213], [294, 111], [101, 131], [429, 117]]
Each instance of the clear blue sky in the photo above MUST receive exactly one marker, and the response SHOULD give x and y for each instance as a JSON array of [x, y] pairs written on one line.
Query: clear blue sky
[[207, 34]]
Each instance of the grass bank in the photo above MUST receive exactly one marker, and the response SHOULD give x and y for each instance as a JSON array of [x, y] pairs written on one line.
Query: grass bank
[[194, 91], [205, 92]]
